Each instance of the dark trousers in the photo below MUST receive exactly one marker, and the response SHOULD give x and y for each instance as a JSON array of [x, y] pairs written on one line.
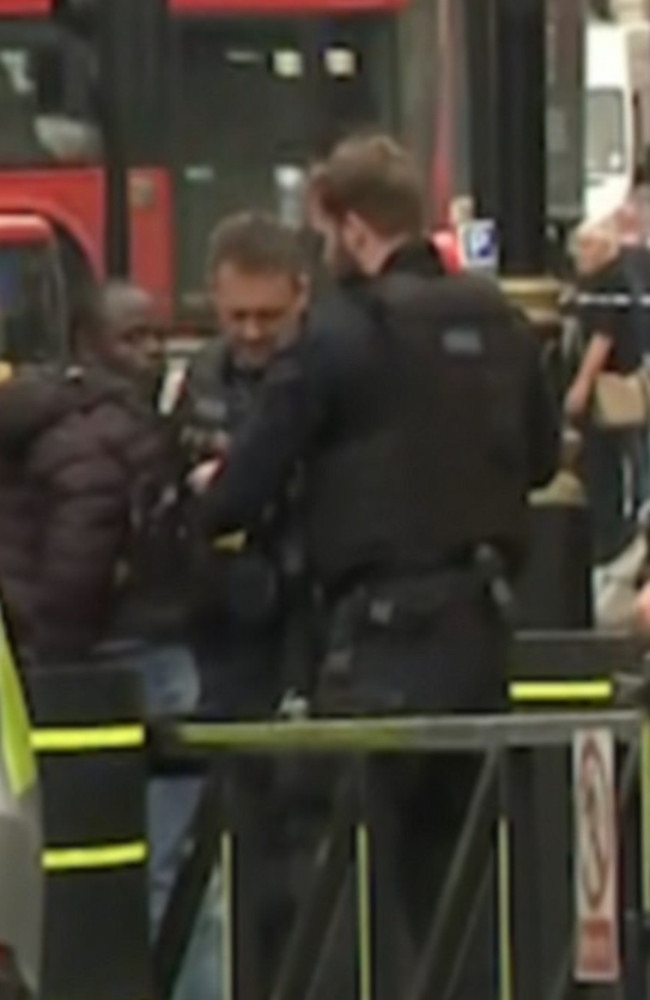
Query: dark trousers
[[457, 663], [240, 670], [240, 681], [613, 466]]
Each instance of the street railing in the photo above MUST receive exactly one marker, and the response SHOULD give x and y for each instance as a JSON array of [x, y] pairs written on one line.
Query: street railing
[[556, 922]]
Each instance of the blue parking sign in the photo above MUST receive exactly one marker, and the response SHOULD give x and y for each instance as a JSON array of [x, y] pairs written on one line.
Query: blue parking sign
[[480, 244]]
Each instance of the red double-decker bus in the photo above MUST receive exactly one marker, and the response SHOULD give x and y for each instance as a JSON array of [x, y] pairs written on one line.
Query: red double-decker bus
[[53, 139], [204, 106]]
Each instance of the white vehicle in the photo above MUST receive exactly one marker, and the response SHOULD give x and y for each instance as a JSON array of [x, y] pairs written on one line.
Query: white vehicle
[[617, 119], [21, 875]]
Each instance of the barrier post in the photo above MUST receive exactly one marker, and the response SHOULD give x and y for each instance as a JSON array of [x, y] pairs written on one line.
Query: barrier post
[[90, 740]]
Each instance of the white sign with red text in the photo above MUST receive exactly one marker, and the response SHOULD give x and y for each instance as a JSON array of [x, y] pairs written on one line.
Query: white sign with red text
[[597, 955]]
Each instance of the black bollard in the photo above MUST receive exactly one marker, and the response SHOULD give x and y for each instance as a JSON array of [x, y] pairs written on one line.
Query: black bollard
[[90, 740], [555, 591], [510, 164]]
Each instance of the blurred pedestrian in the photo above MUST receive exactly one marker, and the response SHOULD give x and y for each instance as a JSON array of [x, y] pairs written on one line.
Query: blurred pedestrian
[[612, 346]]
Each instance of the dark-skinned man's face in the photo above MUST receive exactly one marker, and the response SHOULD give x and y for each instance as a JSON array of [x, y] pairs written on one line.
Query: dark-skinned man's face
[[133, 342]]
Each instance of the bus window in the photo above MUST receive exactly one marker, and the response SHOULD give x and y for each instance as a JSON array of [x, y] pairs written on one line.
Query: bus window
[[256, 100], [46, 100], [30, 302]]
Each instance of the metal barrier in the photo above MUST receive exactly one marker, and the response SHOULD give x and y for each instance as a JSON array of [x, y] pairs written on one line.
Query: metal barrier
[[349, 934], [340, 932]]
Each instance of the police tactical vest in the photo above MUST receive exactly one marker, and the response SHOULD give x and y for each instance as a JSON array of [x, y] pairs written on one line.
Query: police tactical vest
[[216, 405], [436, 462]]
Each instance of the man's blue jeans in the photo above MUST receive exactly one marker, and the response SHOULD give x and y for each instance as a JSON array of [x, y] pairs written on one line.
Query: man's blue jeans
[[171, 690]]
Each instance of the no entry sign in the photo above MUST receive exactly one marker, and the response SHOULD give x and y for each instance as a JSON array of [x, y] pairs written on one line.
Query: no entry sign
[[597, 958]]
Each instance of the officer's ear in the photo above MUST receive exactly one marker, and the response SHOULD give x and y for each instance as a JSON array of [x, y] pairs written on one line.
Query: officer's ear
[[356, 235]]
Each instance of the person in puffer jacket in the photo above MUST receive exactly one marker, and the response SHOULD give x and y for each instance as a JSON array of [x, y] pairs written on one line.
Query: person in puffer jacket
[[86, 482], [80, 451]]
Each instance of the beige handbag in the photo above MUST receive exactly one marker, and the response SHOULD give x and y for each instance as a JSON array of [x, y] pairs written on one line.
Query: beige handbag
[[622, 401], [616, 586]]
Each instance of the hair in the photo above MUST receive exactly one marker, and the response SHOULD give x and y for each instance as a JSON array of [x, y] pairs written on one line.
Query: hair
[[602, 231], [375, 178], [256, 243], [92, 311]]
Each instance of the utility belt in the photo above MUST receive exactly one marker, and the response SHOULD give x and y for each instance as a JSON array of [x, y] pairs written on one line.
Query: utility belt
[[411, 604]]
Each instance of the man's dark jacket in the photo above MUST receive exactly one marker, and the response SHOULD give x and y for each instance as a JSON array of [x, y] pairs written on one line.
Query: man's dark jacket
[[311, 405], [78, 456]]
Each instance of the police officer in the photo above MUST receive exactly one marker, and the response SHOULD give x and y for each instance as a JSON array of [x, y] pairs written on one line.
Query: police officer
[[418, 405], [241, 578]]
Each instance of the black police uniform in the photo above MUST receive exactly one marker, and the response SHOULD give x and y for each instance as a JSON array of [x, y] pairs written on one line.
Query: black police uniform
[[419, 407], [252, 620], [242, 580]]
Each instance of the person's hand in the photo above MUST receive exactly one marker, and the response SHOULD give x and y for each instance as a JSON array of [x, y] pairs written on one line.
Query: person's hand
[[577, 400], [200, 479], [642, 609]]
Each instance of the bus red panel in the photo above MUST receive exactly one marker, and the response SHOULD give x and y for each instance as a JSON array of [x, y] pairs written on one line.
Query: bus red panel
[[73, 200], [17, 230], [207, 7], [25, 8], [150, 199]]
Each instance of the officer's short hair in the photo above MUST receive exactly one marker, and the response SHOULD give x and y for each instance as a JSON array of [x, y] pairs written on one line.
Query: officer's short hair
[[376, 178], [256, 243]]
